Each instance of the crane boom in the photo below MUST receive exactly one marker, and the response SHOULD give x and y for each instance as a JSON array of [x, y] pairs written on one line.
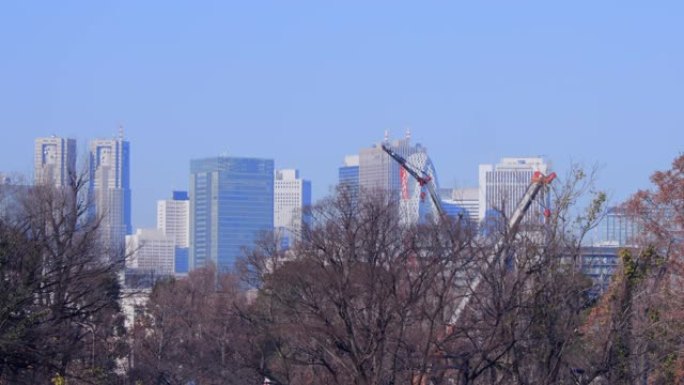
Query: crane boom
[[419, 175], [539, 181]]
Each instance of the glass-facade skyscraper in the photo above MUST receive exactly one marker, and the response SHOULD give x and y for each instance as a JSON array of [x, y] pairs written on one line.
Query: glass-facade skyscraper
[[231, 202], [348, 175]]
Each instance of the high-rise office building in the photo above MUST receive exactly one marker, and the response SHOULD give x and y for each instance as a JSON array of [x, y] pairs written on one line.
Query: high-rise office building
[[54, 161], [173, 219], [110, 188], [348, 175], [291, 195], [378, 171], [150, 250], [503, 185], [231, 202]]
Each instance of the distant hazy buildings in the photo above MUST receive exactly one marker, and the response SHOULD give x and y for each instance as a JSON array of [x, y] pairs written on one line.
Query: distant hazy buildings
[[54, 161], [231, 202], [617, 228], [173, 219], [377, 171], [150, 250], [503, 185], [469, 200], [110, 188], [291, 195]]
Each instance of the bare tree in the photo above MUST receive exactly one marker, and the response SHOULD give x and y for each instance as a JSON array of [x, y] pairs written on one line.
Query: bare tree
[[190, 332], [361, 299], [59, 314], [634, 334]]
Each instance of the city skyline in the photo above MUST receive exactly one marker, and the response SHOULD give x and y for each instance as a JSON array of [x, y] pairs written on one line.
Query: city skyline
[[473, 82]]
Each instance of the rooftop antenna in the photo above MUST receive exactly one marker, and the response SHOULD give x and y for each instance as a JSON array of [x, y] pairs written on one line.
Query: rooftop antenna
[[408, 134], [386, 136], [121, 132]]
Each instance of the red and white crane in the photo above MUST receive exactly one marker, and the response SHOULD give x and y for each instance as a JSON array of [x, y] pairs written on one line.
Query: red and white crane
[[538, 183], [424, 180]]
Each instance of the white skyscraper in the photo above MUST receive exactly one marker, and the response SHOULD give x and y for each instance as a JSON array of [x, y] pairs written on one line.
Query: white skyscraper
[[110, 188], [291, 195], [173, 218], [503, 185], [152, 250], [54, 161]]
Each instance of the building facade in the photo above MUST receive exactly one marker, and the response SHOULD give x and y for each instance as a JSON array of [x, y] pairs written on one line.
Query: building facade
[[348, 174], [617, 228], [173, 219], [54, 161], [378, 171], [110, 188], [503, 185], [599, 264], [469, 200], [231, 202], [150, 250], [291, 196]]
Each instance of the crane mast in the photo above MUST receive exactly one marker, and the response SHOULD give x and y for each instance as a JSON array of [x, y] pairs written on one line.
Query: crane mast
[[424, 180], [539, 182]]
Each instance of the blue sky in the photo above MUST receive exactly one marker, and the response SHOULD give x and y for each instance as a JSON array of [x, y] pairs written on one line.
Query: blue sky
[[305, 83]]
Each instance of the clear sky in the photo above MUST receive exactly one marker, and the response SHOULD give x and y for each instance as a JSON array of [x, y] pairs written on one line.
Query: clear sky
[[305, 83]]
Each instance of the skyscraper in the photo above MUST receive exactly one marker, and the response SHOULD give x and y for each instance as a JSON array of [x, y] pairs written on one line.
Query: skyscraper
[[54, 161], [349, 174], [110, 188], [173, 219], [378, 171], [503, 185], [291, 195], [231, 201]]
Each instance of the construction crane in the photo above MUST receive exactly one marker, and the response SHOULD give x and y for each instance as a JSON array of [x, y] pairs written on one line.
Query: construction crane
[[538, 183], [424, 180]]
